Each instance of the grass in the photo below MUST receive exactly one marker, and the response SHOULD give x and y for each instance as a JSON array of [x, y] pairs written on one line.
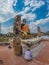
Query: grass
[[28, 36], [4, 39]]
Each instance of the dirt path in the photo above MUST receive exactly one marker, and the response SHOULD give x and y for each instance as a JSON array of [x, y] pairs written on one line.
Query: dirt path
[[8, 57]]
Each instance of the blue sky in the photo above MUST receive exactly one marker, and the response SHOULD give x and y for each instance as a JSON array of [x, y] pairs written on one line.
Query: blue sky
[[36, 13]]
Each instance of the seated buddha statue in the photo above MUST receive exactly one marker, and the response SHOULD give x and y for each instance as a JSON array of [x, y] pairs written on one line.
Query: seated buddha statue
[[24, 27]]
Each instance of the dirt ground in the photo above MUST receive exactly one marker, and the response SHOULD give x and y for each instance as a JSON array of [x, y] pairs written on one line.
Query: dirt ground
[[8, 57]]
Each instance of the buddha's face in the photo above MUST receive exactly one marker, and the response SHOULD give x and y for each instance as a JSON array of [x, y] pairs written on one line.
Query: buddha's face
[[24, 21]]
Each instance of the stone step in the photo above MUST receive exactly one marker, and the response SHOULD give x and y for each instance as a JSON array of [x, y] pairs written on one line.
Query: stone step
[[37, 49]]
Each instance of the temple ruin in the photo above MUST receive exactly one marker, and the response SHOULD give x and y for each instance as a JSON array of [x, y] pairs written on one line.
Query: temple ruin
[[17, 35]]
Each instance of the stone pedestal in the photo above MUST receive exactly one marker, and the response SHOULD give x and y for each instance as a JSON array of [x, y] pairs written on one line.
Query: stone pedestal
[[17, 46]]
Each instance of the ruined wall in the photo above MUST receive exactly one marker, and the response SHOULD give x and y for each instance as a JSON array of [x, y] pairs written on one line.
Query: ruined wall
[[39, 31], [17, 35]]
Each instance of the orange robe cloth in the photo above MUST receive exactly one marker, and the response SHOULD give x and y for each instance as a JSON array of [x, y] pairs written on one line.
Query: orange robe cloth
[[25, 28]]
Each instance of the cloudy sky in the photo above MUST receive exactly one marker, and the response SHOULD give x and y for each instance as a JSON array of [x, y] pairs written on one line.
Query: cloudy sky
[[36, 13]]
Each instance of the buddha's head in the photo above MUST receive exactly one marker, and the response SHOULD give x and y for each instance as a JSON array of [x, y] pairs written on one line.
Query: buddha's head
[[24, 21]]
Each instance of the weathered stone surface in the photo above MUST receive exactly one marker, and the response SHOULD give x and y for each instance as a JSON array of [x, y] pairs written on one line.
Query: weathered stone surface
[[17, 33]]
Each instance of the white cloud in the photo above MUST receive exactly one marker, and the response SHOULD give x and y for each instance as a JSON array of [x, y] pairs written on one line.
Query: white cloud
[[6, 10], [34, 3], [44, 29], [1, 19], [29, 16], [42, 21], [6, 29], [24, 11], [27, 2], [48, 14], [47, 1], [47, 4], [15, 2], [33, 25]]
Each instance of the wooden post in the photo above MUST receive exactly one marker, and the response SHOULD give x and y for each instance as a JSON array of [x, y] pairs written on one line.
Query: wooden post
[[17, 35]]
